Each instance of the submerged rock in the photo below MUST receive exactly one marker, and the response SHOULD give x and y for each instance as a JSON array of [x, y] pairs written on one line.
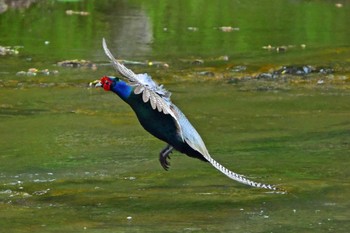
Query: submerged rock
[[193, 29], [228, 29], [282, 78], [77, 64], [9, 50], [34, 71], [82, 13], [282, 48], [303, 70], [197, 62], [206, 73], [238, 68]]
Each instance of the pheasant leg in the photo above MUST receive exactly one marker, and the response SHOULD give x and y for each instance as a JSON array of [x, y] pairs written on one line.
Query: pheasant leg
[[164, 156]]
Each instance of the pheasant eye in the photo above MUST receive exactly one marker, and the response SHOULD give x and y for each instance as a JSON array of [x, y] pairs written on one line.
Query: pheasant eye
[[107, 85], [160, 117]]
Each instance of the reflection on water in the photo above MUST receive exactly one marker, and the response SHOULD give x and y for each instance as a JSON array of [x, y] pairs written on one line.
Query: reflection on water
[[74, 159], [131, 32], [17, 4], [178, 29]]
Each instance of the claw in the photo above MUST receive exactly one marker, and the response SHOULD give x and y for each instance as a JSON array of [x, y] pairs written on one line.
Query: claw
[[165, 164], [164, 156]]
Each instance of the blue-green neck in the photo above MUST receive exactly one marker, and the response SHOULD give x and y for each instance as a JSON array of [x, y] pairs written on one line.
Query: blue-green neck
[[122, 89]]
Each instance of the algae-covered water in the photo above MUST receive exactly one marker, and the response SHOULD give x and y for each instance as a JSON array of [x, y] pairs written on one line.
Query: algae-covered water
[[75, 159]]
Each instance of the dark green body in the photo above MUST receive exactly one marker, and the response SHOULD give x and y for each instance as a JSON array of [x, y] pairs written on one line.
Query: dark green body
[[160, 125]]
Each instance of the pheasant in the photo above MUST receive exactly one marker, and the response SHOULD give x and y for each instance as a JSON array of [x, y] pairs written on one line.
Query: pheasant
[[161, 118]]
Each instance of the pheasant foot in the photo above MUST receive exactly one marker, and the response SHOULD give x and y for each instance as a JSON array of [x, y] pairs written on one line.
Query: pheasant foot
[[164, 156]]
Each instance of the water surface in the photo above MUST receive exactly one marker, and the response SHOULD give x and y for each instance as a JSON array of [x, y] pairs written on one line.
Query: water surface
[[75, 159]]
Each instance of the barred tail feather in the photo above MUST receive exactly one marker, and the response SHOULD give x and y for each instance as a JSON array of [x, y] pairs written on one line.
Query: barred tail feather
[[240, 178]]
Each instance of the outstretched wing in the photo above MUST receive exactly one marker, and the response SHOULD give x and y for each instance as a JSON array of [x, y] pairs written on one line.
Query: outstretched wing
[[137, 79], [158, 97]]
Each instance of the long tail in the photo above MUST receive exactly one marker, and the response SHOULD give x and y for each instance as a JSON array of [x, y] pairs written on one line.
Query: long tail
[[240, 178], [194, 140]]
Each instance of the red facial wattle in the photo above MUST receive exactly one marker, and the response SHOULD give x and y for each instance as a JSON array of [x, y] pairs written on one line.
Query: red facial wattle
[[106, 83]]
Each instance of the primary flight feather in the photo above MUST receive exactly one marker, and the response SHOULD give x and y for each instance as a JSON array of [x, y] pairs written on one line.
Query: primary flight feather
[[160, 117]]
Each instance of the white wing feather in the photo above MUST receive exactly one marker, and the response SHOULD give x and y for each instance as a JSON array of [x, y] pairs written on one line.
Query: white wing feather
[[137, 79], [160, 99]]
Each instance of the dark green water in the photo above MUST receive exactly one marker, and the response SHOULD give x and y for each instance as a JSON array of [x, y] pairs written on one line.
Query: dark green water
[[74, 159]]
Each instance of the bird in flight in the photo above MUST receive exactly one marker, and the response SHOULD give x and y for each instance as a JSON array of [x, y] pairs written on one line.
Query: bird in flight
[[161, 118]]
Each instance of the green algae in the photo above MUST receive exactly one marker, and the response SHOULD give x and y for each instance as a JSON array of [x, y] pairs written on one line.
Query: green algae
[[75, 159]]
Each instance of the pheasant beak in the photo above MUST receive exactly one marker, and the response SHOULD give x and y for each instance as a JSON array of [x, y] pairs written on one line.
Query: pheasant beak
[[96, 83]]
